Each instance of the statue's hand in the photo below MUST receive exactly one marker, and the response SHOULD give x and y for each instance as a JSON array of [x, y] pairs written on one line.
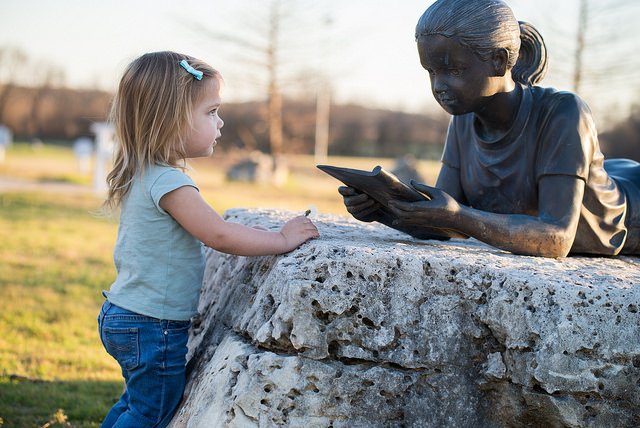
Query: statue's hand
[[438, 212], [360, 205]]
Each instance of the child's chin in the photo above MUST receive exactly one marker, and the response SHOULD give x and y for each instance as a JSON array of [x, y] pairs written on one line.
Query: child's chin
[[206, 154]]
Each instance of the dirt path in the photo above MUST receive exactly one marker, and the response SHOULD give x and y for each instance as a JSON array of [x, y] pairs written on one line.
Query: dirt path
[[8, 184]]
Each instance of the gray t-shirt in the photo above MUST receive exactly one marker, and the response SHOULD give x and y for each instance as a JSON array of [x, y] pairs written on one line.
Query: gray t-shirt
[[160, 265], [553, 134]]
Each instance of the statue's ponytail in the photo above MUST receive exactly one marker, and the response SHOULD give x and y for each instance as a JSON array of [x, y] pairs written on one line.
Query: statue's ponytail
[[531, 66]]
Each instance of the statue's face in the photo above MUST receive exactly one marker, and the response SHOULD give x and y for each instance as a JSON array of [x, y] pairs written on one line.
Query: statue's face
[[461, 81]]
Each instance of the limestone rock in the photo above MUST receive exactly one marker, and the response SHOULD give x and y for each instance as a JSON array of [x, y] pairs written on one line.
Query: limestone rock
[[368, 327]]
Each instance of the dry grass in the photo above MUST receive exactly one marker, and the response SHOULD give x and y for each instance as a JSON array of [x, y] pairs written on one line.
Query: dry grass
[[305, 185]]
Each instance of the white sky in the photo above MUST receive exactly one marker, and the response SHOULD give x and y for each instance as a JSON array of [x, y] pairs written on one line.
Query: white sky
[[367, 51]]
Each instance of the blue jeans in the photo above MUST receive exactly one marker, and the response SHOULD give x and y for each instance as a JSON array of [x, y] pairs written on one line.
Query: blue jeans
[[152, 355]]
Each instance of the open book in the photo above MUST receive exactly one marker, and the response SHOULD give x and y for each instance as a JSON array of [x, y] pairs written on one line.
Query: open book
[[379, 184], [383, 186]]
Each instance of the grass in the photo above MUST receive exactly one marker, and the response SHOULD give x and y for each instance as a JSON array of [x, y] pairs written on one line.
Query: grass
[[55, 258], [29, 403]]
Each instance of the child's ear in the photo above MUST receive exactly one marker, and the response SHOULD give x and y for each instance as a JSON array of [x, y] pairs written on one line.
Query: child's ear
[[500, 60]]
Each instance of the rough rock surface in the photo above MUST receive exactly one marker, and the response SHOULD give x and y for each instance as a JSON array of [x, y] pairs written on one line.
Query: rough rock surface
[[367, 327]]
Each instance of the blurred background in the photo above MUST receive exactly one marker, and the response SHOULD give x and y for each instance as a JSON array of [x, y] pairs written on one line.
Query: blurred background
[[293, 66], [306, 82]]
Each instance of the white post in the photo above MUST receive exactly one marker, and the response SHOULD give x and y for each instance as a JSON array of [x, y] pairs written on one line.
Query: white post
[[103, 154], [83, 149], [6, 139], [323, 103]]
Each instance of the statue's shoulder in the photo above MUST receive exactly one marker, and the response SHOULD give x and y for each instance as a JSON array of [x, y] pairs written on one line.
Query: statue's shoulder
[[552, 101], [551, 95]]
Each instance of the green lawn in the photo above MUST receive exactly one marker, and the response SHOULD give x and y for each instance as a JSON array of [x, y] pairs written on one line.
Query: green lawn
[[56, 257]]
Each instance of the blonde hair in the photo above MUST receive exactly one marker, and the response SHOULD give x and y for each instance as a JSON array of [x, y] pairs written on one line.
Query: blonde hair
[[151, 114]]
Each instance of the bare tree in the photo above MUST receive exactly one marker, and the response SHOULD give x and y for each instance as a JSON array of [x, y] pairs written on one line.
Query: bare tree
[[46, 76], [12, 60], [270, 42], [582, 29], [273, 61], [605, 47], [592, 51], [607, 69]]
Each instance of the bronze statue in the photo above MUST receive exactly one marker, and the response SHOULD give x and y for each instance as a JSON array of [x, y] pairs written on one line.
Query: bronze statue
[[522, 168]]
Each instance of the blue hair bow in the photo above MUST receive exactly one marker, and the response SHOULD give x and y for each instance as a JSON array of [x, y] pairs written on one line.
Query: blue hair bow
[[197, 74]]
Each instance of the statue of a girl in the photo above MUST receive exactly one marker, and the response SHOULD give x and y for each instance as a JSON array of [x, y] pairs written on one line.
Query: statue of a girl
[[522, 168]]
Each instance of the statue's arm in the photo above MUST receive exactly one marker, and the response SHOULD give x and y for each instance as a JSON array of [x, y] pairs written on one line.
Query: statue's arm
[[550, 234]]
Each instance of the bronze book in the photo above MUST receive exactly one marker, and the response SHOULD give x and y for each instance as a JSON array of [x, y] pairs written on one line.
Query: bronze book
[[379, 184]]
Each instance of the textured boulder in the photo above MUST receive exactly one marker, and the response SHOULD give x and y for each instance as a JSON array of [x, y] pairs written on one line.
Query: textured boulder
[[367, 327]]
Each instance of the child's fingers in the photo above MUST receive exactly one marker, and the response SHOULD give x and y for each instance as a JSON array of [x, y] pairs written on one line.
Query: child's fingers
[[307, 227]]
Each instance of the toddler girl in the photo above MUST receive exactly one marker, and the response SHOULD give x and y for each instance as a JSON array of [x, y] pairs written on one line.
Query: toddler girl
[[166, 111]]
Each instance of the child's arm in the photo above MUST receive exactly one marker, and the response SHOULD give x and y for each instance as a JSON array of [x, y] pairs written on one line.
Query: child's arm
[[188, 208]]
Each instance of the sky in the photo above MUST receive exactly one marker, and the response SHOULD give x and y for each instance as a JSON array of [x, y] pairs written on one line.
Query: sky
[[363, 49]]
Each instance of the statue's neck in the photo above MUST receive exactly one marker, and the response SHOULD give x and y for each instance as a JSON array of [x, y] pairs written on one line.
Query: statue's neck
[[499, 113]]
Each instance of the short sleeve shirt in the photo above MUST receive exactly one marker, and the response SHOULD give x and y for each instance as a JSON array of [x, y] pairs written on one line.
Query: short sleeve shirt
[[553, 134], [160, 265]]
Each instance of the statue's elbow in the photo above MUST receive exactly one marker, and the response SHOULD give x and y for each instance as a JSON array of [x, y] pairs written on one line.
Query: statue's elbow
[[559, 247]]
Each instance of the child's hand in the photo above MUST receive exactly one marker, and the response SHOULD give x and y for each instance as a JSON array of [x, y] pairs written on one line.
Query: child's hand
[[298, 230]]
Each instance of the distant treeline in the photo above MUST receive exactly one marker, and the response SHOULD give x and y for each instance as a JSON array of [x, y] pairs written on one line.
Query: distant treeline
[[66, 114], [622, 140], [51, 113], [353, 130]]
